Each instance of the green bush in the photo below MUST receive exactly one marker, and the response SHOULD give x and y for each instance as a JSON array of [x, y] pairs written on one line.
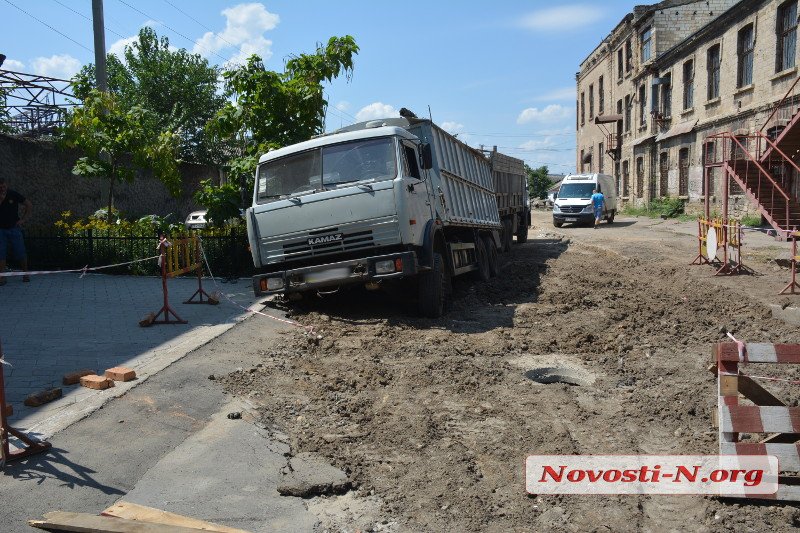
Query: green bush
[[751, 220], [657, 208]]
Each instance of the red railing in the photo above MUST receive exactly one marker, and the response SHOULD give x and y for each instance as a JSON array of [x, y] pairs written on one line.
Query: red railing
[[738, 155], [784, 110]]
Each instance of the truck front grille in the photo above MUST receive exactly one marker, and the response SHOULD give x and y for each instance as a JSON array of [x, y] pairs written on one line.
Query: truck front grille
[[571, 209], [350, 241]]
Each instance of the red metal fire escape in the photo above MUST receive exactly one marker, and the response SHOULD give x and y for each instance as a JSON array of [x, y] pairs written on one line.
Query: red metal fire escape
[[764, 164]]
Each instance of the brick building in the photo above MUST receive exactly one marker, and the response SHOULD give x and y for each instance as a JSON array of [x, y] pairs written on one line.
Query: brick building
[[670, 75]]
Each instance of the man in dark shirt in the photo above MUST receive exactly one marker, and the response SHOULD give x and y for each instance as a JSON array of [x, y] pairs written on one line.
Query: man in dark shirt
[[11, 222]]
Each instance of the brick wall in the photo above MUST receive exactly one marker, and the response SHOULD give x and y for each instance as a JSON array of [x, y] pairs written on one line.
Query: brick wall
[[42, 172]]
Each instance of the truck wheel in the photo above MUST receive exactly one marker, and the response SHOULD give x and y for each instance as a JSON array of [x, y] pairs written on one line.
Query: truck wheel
[[491, 252], [522, 234], [507, 236], [432, 289], [482, 258], [558, 224]]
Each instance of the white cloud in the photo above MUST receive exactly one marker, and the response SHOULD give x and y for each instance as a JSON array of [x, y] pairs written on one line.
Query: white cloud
[[343, 105], [564, 93], [452, 127], [244, 29], [375, 111], [562, 18], [551, 113], [13, 64], [118, 48], [57, 66]]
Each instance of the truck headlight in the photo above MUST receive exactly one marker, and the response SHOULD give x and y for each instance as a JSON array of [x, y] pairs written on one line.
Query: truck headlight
[[556, 209], [384, 267], [588, 209], [274, 284]]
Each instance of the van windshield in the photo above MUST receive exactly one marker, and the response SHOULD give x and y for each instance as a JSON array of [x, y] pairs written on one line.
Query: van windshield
[[327, 168], [576, 190]]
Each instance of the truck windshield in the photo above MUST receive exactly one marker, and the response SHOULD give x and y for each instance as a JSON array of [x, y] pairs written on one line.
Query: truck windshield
[[327, 168], [576, 190]]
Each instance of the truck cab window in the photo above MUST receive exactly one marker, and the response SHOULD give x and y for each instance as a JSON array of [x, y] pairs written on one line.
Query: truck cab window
[[411, 160]]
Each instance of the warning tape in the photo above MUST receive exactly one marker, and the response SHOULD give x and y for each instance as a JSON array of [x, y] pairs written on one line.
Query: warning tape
[[83, 270], [308, 329]]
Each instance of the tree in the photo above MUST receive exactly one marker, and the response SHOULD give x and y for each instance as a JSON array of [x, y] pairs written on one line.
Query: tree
[[538, 182], [117, 141], [178, 87], [269, 109]]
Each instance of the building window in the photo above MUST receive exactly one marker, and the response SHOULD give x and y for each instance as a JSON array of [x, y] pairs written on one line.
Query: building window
[[600, 154], [583, 110], [601, 102], [628, 56], [581, 162], [665, 105], [591, 102], [642, 106], [744, 74], [683, 172], [786, 30], [628, 106], [712, 64], [647, 41], [619, 106], [688, 84], [626, 179], [639, 176], [620, 64], [663, 174]]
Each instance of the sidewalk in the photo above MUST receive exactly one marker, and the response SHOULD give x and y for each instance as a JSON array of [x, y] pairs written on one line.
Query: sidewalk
[[61, 323]]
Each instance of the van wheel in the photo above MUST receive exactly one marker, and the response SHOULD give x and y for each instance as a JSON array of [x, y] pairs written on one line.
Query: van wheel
[[558, 224], [491, 253], [432, 289], [482, 259], [610, 218]]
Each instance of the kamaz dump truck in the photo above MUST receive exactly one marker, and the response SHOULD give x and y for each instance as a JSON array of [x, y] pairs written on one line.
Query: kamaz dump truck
[[371, 204]]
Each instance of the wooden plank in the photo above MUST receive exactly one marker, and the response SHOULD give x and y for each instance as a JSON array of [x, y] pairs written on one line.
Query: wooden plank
[[89, 523], [758, 419], [756, 393], [133, 511], [787, 454], [728, 385], [759, 352]]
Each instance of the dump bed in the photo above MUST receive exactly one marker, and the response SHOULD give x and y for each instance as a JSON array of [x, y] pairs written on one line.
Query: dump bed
[[510, 182]]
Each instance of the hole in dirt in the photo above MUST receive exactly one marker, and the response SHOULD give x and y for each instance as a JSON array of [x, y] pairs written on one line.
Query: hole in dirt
[[568, 376]]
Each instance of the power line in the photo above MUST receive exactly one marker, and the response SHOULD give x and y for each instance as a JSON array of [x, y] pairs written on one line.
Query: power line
[[200, 23], [166, 26], [88, 18], [49, 26]]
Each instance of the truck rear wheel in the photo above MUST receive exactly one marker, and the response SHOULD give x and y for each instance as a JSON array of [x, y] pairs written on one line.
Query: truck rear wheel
[[482, 259], [522, 233], [491, 253], [507, 236], [433, 288]]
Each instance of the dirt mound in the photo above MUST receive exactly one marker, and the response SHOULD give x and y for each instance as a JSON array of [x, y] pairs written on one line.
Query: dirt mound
[[437, 416]]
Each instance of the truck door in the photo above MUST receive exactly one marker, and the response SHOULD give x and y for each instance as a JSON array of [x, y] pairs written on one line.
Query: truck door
[[416, 190]]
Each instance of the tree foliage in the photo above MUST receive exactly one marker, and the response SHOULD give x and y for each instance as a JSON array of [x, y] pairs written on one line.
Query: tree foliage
[[178, 87], [118, 140], [538, 182], [268, 109]]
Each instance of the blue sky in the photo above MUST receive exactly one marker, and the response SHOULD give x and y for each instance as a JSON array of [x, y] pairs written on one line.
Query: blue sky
[[499, 73]]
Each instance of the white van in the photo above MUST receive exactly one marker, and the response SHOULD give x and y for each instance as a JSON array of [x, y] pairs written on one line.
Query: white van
[[573, 201]]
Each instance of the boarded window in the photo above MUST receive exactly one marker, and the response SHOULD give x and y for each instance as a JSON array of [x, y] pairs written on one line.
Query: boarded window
[[712, 65], [626, 179], [786, 34], [639, 176], [663, 174], [683, 172], [628, 106], [642, 106], [744, 74], [620, 64], [600, 156]]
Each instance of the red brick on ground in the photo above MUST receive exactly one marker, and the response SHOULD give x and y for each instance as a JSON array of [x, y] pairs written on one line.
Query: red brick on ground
[[42, 397], [121, 373], [73, 378], [96, 382]]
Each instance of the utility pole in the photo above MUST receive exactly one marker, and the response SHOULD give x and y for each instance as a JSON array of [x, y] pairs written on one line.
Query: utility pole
[[101, 77]]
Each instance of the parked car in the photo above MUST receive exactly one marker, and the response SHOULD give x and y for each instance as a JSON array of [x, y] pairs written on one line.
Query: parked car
[[196, 219]]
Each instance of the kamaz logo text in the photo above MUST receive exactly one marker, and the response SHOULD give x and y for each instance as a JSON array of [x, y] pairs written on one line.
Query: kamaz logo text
[[324, 239]]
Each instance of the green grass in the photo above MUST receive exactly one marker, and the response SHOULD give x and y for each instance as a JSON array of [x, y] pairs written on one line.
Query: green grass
[[666, 207], [751, 220]]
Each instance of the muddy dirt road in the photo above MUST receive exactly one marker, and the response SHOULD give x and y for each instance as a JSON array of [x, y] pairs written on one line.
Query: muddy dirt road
[[433, 419]]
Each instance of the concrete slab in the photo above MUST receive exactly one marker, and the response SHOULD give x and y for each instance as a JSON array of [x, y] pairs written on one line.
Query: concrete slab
[[233, 468], [61, 322]]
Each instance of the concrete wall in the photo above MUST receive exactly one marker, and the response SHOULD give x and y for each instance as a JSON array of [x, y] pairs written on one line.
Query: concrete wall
[[42, 172]]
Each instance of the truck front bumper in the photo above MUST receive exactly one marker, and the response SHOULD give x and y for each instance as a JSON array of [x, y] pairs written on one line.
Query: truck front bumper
[[362, 270]]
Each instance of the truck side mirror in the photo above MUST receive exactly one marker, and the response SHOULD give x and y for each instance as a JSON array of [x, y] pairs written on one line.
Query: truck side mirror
[[425, 156]]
